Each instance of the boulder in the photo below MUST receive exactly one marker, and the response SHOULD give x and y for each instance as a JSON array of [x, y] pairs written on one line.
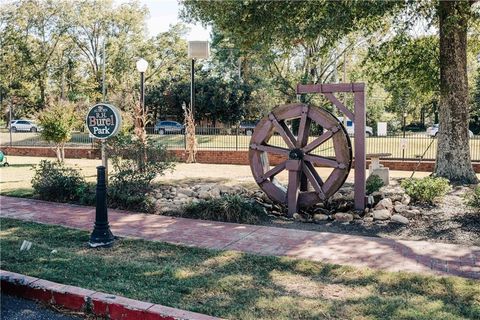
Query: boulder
[[399, 218], [298, 217], [320, 217], [384, 204], [368, 219], [343, 217], [382, 214], [406, 199], [185, 191], [411, 213], [400, 208], [321, 211], [215, 192], [204, 195]]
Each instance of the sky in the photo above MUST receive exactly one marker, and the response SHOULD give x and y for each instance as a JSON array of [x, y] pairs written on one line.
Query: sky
[[163, 13]]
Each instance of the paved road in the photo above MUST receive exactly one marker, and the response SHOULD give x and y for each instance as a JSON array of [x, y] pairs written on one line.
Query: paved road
[[14, 308]]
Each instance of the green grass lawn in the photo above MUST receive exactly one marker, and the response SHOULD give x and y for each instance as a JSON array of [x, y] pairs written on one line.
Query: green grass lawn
[[231, 284]]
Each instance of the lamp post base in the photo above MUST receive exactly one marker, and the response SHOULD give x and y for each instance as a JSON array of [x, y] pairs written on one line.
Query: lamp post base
[[101, 237]]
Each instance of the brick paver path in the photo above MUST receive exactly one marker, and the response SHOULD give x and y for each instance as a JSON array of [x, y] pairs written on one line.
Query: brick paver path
[[387, 254]]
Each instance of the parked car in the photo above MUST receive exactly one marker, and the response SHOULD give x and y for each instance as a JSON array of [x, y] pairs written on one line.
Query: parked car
[[415, 127], [24, 125], [247, 127], [433, 131], [350, 127], [165, 127]]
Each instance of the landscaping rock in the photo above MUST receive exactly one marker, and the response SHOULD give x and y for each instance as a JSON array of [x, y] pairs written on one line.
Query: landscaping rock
[[185, 191], [298, 217], [411, 213], [400, 208], [320, 217], [321, 211], [400, 219], [368, 219], [204, 195], [343, 217], [382, 214], [384, 204], [406, 199]]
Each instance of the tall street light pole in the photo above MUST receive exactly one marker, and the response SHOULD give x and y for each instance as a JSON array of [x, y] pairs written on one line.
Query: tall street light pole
[[142, 66], [196, 50]]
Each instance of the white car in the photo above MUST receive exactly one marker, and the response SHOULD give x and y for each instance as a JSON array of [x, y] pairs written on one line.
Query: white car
[[433, 131], [350, 127], [24, 125]]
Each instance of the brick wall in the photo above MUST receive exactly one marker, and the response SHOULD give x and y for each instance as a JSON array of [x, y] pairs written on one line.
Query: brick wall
[[209, 156], [76, 153]]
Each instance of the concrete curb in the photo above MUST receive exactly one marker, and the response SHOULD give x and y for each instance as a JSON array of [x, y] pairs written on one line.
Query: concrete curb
[[92, 302]]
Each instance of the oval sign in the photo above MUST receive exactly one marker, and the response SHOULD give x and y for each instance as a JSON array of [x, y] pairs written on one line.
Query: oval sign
[[103, 121]]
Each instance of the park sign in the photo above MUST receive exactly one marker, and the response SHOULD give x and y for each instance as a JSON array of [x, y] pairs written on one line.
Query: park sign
[[103, 121]]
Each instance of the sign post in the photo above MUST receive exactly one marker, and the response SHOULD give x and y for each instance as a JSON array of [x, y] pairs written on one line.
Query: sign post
[[103, 121]]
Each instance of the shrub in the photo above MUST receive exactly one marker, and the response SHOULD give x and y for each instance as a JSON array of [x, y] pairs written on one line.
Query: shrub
[[374, 183], [128, 189], [228, 208], [473, 199], [55, 182], [86, 194], [136, 164], [425, 190]]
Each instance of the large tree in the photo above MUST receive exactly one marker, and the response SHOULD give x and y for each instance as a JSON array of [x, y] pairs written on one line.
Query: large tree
[[288, 23]]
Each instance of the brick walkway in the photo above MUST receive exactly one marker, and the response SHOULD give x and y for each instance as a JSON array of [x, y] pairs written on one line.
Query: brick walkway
[[386, 254]]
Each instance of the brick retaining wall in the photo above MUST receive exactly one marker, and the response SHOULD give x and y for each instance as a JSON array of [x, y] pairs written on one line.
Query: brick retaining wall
[[209, 156]]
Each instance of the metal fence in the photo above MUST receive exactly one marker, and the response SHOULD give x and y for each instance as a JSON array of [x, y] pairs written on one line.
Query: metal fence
[[411, 147]]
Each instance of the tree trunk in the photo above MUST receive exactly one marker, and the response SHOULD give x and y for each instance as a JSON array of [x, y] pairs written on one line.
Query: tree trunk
[[453, 152]]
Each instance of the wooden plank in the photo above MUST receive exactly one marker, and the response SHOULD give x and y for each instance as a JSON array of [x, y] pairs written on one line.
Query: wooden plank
[[317, 142], [319, 160], [283, 131], [340, 106]]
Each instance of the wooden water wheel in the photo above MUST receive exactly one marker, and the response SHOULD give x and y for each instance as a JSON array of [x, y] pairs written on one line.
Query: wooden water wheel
[[298, 156]]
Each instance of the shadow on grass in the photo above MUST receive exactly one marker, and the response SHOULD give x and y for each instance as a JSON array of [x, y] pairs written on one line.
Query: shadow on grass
[[233, 284]]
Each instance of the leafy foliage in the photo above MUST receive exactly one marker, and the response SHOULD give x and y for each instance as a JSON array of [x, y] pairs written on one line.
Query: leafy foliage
[[132, 181], [373, 183], [128, 189], [57, 122], [425, 190], [473, 199], [228, 208], [55, 182]]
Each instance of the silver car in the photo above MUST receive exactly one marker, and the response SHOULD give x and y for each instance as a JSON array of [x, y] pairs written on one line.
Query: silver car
[[24, 125]]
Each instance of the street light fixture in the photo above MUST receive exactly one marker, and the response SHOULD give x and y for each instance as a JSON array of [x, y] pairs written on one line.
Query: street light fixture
[[196, 50], [142, 66]]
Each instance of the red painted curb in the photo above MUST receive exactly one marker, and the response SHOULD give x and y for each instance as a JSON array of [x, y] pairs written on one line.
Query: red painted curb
[[93, 302]]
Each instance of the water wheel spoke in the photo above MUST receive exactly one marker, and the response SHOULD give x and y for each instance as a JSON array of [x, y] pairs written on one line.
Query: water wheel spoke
[[318, 142], [272, 172], [314, 179], [303, 128], [322, 161], [270, 149], [284, 132]]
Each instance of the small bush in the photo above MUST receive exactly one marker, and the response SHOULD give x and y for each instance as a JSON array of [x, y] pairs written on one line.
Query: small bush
[[473, 199], [55, 182], [425, 190], [228, 208], [128, 190], [86, 194], [374, 183]]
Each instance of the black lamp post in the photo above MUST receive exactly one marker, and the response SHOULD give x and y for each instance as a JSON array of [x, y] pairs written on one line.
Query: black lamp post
[[101, 235], [196, 50]]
